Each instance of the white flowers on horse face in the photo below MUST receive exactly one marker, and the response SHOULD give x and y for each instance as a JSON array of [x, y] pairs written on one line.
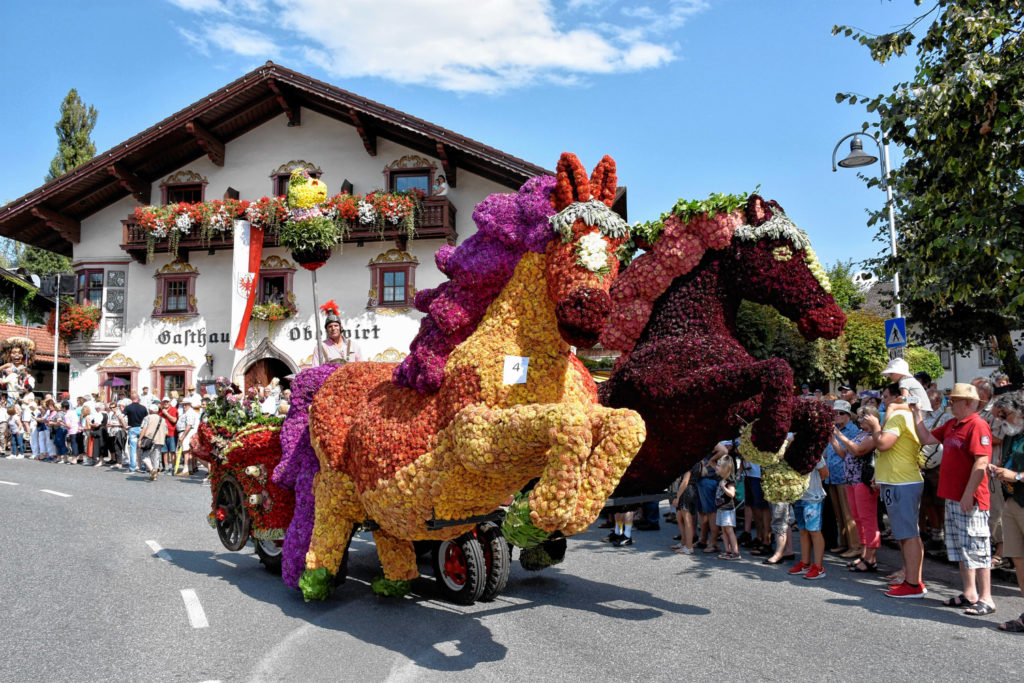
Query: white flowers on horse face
[[593, 252]]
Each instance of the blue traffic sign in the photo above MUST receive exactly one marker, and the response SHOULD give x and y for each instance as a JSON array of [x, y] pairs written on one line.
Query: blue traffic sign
[[895, 332]]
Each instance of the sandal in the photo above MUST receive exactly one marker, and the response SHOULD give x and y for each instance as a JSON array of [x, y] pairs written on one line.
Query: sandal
[[711, 549], [869, 567], [958, 601], [729, 556], [1014, 625], [979, 609], [677, 546]]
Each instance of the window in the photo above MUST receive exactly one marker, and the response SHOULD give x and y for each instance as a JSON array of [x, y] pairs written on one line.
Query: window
[[392, 286], [272, 289], [183, 186], [90, 287], [402, 181], [176, 296], [411, 172], [392, 280], [945, 356], [184, 193], [172, 381], [989, 358], [279, 176], [175, 291]]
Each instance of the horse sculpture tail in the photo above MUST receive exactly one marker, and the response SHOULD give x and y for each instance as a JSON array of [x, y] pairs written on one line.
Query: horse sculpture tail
[[297, 468]]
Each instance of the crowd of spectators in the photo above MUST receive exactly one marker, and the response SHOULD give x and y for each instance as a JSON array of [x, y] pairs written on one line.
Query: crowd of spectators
[[908, 465], [140, 433]]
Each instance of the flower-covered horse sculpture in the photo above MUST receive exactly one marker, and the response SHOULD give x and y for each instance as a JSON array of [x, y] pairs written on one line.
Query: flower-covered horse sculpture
[[492, 396], [683, 370]]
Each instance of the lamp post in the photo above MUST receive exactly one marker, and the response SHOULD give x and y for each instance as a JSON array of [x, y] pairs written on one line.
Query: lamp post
[[858, 158]]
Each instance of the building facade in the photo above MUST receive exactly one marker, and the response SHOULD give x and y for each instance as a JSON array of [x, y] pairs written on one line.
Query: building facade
[[166, 318]]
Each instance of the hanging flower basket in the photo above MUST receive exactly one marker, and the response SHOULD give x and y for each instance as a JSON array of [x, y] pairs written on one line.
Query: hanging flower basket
[[311, 259]]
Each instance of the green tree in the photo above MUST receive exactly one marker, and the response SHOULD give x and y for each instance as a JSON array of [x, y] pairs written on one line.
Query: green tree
[[959, 194], [866, 355], [74, 130]]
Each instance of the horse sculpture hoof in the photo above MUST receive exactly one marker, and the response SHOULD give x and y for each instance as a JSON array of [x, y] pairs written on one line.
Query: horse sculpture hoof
[[316, 584], [392, 589]]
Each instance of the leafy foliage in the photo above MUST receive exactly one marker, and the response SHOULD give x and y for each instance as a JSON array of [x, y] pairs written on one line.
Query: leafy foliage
[[846, 294], [959, 195], [74, 128]]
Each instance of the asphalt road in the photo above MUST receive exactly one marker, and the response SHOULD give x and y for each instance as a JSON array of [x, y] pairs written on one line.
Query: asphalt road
[[86, 596]]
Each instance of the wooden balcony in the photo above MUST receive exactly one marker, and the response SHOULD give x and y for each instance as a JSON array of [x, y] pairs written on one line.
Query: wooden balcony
[[435, 221]]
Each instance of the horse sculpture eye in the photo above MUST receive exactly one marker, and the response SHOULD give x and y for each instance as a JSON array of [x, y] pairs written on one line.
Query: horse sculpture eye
[[782, 253]]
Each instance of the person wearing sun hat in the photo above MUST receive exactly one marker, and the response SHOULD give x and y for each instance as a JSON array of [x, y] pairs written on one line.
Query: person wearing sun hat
[[899, 371], [966, 452]]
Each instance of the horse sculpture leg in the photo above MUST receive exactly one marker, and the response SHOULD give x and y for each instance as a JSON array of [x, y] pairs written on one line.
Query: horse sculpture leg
[[812, 424], [338, 510], [397, 557], [618, 435], [511, 446]]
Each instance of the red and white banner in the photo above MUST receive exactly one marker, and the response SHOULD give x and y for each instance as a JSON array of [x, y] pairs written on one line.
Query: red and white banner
[[245, 278]]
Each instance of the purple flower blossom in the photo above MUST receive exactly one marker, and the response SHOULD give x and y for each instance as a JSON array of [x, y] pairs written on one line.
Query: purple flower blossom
[[296, 469]]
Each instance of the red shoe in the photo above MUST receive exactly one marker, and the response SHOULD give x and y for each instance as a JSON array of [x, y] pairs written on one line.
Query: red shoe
[[799, 567], [905, 590], [815, 572]]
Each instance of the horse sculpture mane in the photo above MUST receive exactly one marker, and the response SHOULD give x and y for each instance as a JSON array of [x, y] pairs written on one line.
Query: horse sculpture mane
[[677, 250], [509, 225]]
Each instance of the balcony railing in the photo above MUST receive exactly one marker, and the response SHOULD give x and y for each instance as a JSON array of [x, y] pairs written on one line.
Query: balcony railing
[[435, 221]]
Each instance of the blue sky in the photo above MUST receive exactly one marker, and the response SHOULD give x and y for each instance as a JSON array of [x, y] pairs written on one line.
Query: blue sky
[[689, 96]]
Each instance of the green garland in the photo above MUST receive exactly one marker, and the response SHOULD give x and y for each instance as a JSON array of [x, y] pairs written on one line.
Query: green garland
[[389, 588], [517, 528], [315, 584]]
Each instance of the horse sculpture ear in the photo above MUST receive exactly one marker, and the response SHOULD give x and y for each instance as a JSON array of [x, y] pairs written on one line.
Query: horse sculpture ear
[[571, 183], [758, 210], [603, 181]]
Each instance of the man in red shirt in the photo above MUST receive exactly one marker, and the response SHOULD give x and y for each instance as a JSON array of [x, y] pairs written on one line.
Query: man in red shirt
[[966, 450], [170, 415]]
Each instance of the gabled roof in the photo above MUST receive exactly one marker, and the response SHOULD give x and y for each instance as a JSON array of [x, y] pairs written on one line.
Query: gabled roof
[[50, 216]]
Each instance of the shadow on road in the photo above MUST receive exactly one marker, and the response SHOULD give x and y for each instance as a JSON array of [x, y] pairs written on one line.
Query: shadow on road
[[430, 632]]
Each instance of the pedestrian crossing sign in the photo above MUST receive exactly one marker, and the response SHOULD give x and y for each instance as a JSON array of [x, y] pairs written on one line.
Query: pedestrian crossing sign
[[895, 332]]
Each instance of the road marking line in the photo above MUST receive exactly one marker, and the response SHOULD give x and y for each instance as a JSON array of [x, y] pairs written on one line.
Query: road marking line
[[9, 483], [160, 552], [56, 493], [230, 564], [196, 615]]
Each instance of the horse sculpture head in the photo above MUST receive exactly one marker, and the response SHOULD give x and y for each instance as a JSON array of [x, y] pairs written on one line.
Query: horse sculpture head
[[774, 264], [568, 219], [582, 261]]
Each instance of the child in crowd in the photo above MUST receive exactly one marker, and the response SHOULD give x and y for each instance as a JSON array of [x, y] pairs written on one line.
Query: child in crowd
[[686, 507], [808, 520], [725, 508]]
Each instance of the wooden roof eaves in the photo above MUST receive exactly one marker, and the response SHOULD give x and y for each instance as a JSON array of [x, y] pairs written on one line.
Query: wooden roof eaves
[[342, 98]]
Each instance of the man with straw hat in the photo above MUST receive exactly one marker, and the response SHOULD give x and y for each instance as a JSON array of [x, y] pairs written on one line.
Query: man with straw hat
[[966, 450]]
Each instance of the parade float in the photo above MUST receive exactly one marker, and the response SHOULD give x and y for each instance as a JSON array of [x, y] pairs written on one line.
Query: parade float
[[682, 368], [490, 431], [242, 447]]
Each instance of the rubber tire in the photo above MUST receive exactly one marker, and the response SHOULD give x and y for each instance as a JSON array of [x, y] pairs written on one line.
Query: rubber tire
[[271, 561], [468, 586], [234, 529], [497, 559]]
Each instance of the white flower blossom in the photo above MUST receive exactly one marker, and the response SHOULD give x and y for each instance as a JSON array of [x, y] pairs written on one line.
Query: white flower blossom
[[593, 252]]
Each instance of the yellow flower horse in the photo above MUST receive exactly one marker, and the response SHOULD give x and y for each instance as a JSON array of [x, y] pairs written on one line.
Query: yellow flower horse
[[513, 405]]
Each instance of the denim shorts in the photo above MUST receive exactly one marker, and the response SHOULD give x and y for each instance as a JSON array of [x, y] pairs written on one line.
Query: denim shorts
[[808, 515], [725, 518], [755, 494], [903, 504]]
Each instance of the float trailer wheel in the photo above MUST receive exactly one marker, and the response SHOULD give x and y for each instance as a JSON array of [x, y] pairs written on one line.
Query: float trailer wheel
[[460, 569], [232, 518]]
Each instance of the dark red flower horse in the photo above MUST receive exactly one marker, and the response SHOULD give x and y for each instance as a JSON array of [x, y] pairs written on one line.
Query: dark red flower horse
[[683, 370]]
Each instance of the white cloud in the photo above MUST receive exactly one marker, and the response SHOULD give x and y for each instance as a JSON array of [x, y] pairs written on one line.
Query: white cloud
[[457, 45], [199, 5]]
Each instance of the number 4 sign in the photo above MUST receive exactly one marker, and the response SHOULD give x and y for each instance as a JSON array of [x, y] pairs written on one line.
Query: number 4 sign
[[515, 369]]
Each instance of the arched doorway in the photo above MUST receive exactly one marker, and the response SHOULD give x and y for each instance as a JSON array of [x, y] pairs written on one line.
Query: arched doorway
[[263, 370]]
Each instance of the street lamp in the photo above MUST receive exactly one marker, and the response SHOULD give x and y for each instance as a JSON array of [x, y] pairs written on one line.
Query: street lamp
[[858, 158]]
